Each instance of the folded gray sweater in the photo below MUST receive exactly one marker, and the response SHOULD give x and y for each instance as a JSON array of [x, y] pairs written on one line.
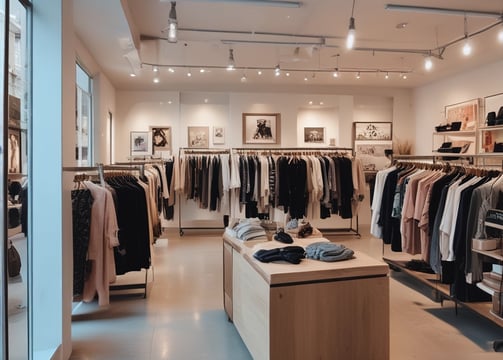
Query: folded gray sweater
[[327, 251]]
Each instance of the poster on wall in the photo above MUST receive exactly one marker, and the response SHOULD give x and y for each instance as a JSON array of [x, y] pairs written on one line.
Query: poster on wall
[[218, 135], [372, 131], [140, 143], [261, 128], [161, 138], [314, 135], [373, 154], [198, 136], [14, 151], [465, 112]]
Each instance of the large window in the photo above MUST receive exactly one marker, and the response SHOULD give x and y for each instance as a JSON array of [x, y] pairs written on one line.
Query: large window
[[83, 122]]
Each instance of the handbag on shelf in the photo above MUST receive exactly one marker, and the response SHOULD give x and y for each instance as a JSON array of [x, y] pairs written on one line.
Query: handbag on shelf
[[13, 261], [498, 147]]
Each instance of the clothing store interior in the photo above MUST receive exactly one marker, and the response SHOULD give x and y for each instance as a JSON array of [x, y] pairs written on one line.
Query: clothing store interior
[[252, 179]]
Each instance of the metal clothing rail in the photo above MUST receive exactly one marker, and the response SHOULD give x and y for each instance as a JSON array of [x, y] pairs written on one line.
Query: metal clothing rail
[[353, 224], [100, 168], [199, 151]]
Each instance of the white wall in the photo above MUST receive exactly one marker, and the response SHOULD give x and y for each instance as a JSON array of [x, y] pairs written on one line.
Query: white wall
[[430, 100]]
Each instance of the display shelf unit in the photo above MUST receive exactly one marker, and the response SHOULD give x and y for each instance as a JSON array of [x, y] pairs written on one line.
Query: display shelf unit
[[495, 256]]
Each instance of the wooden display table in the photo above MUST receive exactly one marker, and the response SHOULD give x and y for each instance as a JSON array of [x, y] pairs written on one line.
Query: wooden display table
[[313, 310]]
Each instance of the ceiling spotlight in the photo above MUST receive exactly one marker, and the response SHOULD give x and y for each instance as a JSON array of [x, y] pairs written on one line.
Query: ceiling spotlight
[[155, 69], [358, 75], [231, 63], [277, 70], [243, 78], [156, 80], [500, 35], [189, 73], [404, 76], [259, 72], [310, 102], [171, 70], [467, 48], [350, 40], [401, 25], [386, 76], [287, 74], [335, 74], [172, 24], [428, 63], [305, 78], [202, 71], [132, 74]]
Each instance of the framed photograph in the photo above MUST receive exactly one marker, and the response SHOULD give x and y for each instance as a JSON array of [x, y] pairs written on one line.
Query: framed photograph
[[161, 138], [14, 151], [140, 143], [373, 154], [218, 135], [199, 136], [465, 112], [314, 135], [261, 128], [379, 131]]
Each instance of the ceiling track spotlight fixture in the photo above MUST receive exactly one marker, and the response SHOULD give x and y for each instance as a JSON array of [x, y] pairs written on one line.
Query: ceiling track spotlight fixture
[[172, 24], [467, 48], [231, 64], [350, 40], [277, 70]]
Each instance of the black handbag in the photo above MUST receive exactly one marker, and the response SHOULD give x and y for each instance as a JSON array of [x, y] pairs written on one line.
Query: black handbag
[[498, 147], [13, 261]]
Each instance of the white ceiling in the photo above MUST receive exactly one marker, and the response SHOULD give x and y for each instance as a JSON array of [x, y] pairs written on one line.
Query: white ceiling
[[110, 28]]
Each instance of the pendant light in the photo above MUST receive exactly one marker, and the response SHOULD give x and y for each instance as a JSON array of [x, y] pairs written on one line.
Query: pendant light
[[231, 63], [467, 48], [350, 40], [172, 24]]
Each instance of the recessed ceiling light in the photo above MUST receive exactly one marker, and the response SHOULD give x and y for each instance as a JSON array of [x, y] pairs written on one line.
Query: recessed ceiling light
[[402, 25]]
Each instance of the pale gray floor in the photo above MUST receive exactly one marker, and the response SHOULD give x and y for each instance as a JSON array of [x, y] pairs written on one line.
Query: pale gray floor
[[183, 318]]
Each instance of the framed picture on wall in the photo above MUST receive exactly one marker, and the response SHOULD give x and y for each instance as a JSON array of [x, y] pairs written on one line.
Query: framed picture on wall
[[314, 135], [379, 131], [161, 138], [261, 128], [140, 143], [218, 135], [373, 154], [465, 112], [198, 136], [14, 151]]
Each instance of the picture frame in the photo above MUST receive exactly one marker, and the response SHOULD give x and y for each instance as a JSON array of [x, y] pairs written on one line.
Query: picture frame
[[372, 131], [14, 163], [198, 136], [161, 138], [262, 128], [313, 134], [467, 112], [218, 135], [373, 154], [140, 143]]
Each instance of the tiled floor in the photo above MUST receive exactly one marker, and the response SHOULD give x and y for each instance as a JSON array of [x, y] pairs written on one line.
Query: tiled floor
[[182, 317]]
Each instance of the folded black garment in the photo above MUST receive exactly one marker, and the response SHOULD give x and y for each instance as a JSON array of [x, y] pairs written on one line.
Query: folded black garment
[[283, 237], [292, 254]]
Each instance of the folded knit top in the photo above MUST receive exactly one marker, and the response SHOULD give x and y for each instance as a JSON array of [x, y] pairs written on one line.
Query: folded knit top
[[328, 251]]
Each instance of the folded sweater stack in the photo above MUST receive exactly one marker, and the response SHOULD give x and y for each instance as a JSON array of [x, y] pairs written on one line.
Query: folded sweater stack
[[327, 251]]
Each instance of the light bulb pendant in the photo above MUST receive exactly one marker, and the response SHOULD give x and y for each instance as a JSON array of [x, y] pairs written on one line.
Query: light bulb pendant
[[350, 40]]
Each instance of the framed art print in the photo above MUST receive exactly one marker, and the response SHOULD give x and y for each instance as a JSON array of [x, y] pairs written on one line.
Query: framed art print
[[466, 112], [14, 151], [261, 128], [140, 143], [161, 138], [314, 135], [218, 135], [381, 131], [198, 136]]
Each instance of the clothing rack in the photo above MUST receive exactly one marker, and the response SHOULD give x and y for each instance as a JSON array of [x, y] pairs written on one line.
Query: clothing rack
[[100, 168], [288, 151], [433, 281], [199, 151]]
